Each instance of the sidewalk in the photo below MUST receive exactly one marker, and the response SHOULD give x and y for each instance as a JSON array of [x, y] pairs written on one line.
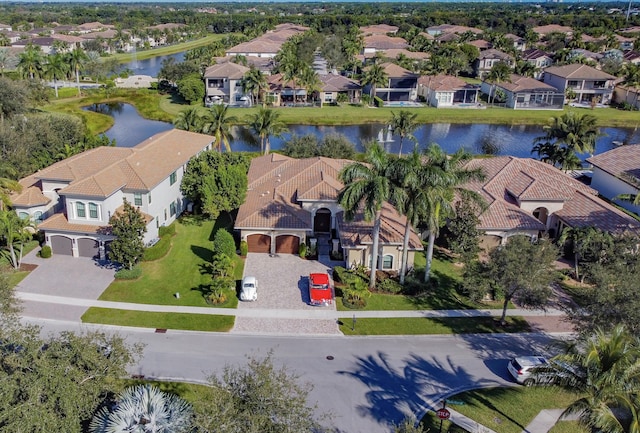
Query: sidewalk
[[319, 313]]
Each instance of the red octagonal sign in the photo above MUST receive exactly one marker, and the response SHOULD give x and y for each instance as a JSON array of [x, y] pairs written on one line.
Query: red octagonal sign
[[443, 413]]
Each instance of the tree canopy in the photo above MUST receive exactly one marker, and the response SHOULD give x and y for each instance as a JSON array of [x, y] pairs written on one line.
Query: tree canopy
[[128, 226]]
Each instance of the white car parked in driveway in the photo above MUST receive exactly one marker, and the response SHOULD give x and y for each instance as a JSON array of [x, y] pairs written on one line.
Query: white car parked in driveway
[[521, 368], [249, 289]]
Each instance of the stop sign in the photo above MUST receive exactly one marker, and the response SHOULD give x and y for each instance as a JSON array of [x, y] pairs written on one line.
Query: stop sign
[[443, 413]]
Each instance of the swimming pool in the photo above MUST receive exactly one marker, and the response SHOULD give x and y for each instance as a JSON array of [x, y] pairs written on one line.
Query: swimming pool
[[403, 104]]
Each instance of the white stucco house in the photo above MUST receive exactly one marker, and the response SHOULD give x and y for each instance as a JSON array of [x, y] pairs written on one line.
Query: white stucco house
[[617, 172], [72, 200]]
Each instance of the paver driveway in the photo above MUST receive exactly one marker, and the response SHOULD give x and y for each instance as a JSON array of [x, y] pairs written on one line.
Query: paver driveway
[[63, 276], [283, 285]]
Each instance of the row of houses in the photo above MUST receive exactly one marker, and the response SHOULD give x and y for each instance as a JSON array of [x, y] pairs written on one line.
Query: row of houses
[[293, 201]]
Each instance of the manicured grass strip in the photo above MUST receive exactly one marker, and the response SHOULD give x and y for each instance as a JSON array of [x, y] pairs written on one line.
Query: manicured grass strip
[[510, 410], [568, 427], [146, 319], [426, 326], [16, 277], [191, 392]]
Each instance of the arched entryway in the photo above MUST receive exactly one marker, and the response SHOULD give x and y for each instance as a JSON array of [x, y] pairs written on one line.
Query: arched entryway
[[541, 214], [322, 221]]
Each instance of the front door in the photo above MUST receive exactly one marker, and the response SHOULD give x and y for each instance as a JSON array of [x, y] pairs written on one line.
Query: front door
[[322, 221]]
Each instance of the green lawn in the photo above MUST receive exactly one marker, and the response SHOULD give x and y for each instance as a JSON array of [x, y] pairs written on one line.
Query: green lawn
[[16, 277], [145, 319], [179, 271], [424, 326], [191, 392], [509, 410]]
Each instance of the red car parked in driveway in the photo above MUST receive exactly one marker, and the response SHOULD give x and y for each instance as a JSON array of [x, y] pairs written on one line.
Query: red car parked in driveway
[[320, 291]]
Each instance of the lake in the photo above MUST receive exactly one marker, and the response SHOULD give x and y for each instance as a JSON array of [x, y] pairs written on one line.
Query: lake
[[130, 129], [152, 65]]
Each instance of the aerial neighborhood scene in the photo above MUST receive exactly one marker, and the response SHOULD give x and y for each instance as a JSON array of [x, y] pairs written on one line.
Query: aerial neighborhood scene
[[378, 217]]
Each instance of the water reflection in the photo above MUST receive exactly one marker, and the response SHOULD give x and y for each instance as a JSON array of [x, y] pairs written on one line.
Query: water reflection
[[152, 65]]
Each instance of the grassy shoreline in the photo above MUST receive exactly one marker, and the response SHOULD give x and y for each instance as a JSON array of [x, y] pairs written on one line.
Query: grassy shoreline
[[154, 106]]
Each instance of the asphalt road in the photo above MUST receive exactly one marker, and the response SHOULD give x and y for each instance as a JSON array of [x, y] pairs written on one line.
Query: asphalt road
[[370, 382]]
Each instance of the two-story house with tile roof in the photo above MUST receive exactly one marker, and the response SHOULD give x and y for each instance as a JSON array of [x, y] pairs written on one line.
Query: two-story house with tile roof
[[525, 93], [73, 200], [617, 172], [291, 200], [223, 84], [587, 82], [488, 59], [528, 197], [447, 91]]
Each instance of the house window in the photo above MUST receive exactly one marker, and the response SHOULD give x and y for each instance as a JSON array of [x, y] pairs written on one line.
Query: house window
[[387, 261], [80, 211], [157, 222], [37, 217], [172, 208], [93, 210], [173, 178], [573, 83], [165, 214], [599, 84], [149, 198], [23, 215], [137, 199]]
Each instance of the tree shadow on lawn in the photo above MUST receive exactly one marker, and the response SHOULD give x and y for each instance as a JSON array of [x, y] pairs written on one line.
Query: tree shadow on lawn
[[203, 253], [417, 385], [494, 393], [439, 294]]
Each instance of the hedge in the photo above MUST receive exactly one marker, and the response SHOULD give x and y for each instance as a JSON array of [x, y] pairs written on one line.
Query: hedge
[[159, 250], [129, 274]]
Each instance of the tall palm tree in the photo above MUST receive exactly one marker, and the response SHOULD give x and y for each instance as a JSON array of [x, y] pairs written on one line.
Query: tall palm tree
[[374, 76], [266, 123], [578, 132], [603, 370], [218, 123], [443, 179], [30, 62], [254, 82], [404, 124], [631, 79], [14, 230], [144, 409], [499, 73], [7, 185], [77, 59], [56, 68], [366, 188], [310, 81], [189, 120]]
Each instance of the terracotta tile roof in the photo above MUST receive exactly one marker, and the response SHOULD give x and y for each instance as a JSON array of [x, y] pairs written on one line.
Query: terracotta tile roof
[[393, 53], [444, 83], [29, 197], [495, 54], [384, 42], [101, 171], [447, 37], [107, 34], [510, 180], [533, 54], [579, 72], [620, 162], [379, 29], [519, 83], [229, 70], [629, 56], [394, 71], [451, 28], [514, 38], [337, 83], [552, 28], [278, 184], [58, 222], [256, 46], [167, 26], [635, 29], [95, 25], [481, 44], [426, 36]]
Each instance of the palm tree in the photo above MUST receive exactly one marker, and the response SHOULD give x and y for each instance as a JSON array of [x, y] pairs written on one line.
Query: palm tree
[[366, 188], [404, 124], [218, 123], [56, 68], [500, 72], [5, 59], [144, 409], [14, 230], [526, 69], [7, 185], [578, 236], [189, 120], [631, 79], [310, 81], [443, 180], [578, 132], [77, 58], [265, 123], [602, 370], [374, 76], [30, 62], [254, 82]]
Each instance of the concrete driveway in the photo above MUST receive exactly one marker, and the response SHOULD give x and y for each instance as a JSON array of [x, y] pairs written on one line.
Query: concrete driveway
[[283, 285], [63, 276]]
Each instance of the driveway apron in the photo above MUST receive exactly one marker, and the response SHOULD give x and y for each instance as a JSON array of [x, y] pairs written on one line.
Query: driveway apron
[[63, 276], [283, 285]]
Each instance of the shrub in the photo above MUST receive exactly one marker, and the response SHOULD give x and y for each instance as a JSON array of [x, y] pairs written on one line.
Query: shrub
[[169, 230], [45, 252], [129, 274], [158, 251], [302, 250], [354, 293], [244, 248], [223, 243], [389, 285]]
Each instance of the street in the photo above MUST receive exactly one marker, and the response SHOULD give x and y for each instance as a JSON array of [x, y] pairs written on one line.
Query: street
[[370, 382]]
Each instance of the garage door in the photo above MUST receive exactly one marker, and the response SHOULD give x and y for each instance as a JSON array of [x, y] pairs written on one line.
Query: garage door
[[88, 248], [61, 245], [259, 243], [287, 244]]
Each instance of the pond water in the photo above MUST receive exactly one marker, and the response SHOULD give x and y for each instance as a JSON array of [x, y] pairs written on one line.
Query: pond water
[[130, 129], [152, 65]]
